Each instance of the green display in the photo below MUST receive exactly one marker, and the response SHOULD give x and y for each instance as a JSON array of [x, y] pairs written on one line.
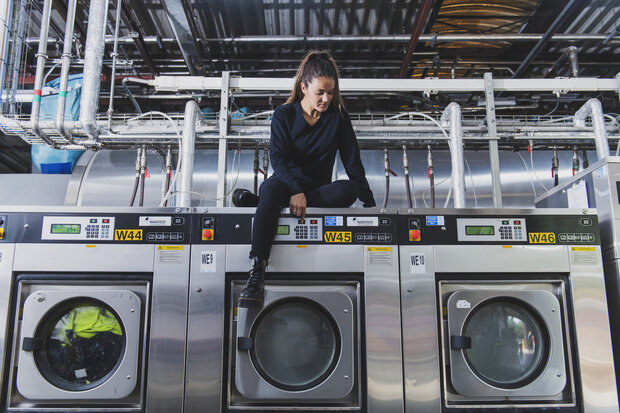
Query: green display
[[479, 230], [66, 228], [283, 230]]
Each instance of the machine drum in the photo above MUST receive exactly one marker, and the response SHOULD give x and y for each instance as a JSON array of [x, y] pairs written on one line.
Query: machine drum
[[297, 344], [507, 343], [81, 347]]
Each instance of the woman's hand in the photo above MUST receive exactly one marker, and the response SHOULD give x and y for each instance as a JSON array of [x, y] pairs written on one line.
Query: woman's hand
[[297, 204]]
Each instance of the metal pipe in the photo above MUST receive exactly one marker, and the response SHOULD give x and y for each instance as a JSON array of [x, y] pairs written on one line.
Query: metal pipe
[[17, 54], [5, 18], [406, 169], [93, 61], [64, 72], [594, 109], [573, 59], [256, 169], [575, 161], [544, 40], [438, 38], [119, 4], [168, 173], [265, 163], [452, 117], [131, 97], [137, 180], [419, 23], [430, 171], [38, 81], [142, 175], [187, 153], [386, 166], [555, 167]]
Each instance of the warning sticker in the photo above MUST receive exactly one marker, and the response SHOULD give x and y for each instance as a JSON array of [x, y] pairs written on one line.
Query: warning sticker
[[170, 256], [417, 263], [380, 255], [207, 261], [583, 255]]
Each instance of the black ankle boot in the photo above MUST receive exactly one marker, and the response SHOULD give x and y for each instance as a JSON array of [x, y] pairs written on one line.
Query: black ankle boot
[[244, 198], [252, 293]]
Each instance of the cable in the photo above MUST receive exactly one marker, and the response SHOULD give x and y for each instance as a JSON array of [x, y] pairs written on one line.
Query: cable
[[534, 169], [557, 104], [471, 178], [529, 173], [429, 188]]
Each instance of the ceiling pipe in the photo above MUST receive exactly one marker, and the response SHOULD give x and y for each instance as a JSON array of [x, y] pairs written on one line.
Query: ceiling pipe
[[594, 109], [420, 21], [38, 80], [611, 39], [544, 40], [64, 73], [187, 153], [182, 32], [138, 40], [93, 61], [452, 117]]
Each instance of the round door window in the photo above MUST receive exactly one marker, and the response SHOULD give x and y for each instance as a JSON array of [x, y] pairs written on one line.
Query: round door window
[[83, 344], [296, 344], [508, 343]]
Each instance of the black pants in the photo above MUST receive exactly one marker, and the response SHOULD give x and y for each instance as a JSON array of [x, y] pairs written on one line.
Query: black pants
[[274, 195]]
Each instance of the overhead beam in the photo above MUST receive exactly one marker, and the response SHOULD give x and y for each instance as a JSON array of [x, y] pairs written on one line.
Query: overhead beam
[[182, 32], [137, 38], [420, 20]]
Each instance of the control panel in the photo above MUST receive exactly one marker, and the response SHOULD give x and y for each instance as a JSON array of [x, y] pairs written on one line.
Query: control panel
[[293, 229], [78, 228], [491, 229]]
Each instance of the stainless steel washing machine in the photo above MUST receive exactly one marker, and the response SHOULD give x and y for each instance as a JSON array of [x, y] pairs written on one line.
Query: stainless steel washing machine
[[328, 334], [519, 311], [93, 309]]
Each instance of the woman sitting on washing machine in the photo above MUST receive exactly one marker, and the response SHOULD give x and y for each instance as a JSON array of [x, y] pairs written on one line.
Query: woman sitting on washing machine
[[306, 132]]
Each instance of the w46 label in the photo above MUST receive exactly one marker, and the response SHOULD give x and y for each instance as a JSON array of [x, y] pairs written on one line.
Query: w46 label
[[542, 238], [337, 236], [127, 235]]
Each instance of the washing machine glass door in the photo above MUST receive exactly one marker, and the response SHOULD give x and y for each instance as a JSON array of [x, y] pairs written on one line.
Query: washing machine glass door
[[83, 343], [508, 343], [296, 345]]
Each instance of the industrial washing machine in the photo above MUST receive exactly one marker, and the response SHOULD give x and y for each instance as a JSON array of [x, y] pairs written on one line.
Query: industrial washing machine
[[504, 309], [328, 334], [598, 187], [93, 309]]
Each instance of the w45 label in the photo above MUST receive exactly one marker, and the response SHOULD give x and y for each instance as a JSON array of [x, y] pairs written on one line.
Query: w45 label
[[542, 238], [337, 236]]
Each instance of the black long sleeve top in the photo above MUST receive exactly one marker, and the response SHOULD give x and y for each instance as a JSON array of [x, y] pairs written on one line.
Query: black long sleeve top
[[303, 156]]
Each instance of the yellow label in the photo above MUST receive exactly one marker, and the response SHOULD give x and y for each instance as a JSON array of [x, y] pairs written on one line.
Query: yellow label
[[127, 235], [379, 249], [542, 237], [583, 249], [337, 236], [506, 246], [1, 233], [302, 246], [91, 246], [170, 247]]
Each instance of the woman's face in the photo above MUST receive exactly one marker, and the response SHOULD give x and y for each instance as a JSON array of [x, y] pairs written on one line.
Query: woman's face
[[319, 93]]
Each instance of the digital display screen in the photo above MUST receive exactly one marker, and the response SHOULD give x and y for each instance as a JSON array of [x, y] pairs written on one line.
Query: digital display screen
[[479, 230], [283, 230], [66, 228]]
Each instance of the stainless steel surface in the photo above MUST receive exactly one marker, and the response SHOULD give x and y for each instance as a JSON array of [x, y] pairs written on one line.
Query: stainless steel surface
[[93, 55], [6, 280], [594, 109], [421, 360], [452, 114], [168, 330], [187, 154], [41, 189], [223, 124], [206, 330]]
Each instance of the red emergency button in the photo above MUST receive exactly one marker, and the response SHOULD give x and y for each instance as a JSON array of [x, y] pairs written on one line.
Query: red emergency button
[[207, 235], [414, 235]]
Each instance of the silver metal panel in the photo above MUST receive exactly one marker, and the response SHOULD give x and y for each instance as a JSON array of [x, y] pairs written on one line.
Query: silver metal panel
[[205, 334], [592, 329], [300, 258], [501, 258], [6, 267], [166, 372], [121, 381], [84, 257], [384, 361], [33, 189], [419, 329]]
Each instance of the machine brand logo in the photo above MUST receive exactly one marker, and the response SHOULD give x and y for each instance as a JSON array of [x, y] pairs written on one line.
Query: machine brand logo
[[541, 237], [338, 236], [463, 304], [128, 235]]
